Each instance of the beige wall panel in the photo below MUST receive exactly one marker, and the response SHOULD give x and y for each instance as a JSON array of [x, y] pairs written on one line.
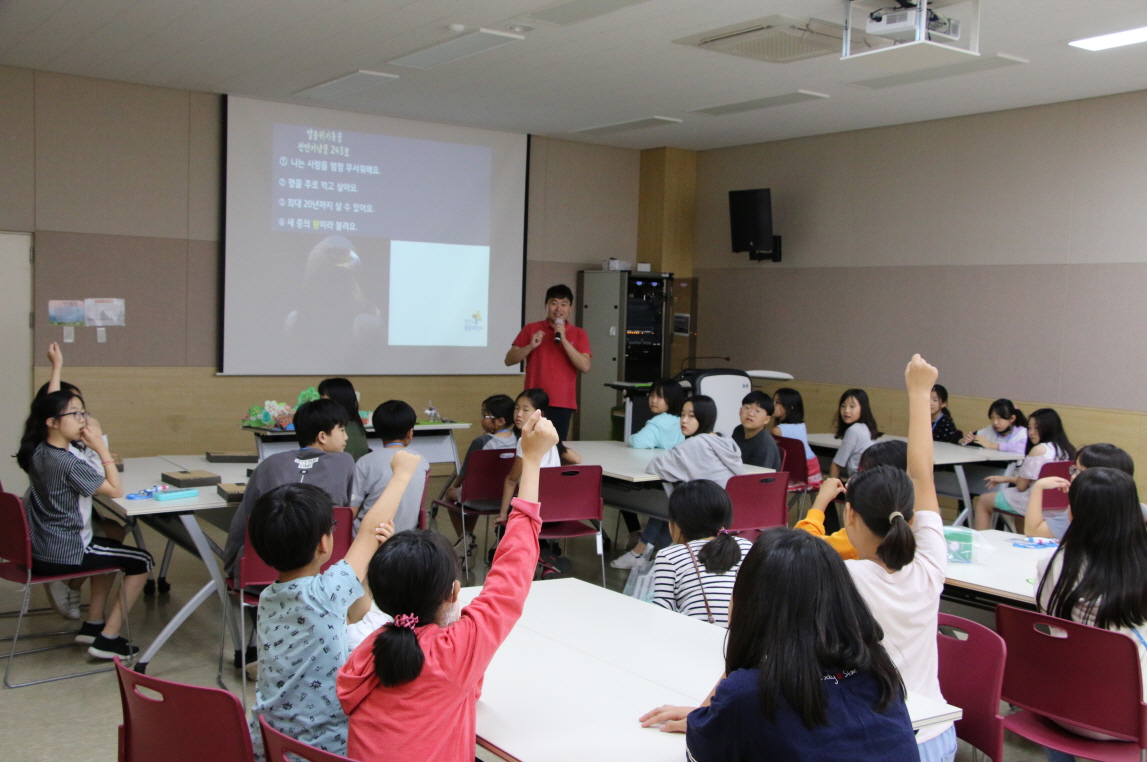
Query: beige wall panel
[[583, 201], [542, 275], [17, 150], [174, 411], [150, 274], [202, 303], [1109, 211], [204, 166], [111, 158]]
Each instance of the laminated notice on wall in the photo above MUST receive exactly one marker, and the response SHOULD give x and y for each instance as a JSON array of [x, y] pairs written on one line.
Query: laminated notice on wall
[[65, 312], [100, 312]]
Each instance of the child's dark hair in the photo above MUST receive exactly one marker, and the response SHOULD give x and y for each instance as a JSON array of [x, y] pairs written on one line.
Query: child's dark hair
[[1050, 429], [942, 395], [1005, 409], [1105, 456], [700, 508], [341, 390], [891, 452], [560, 291], [316, 417], [883, 498], [760, 399], [795, 615], [287, 524], [792, 402], [393, 420], [64, 387], [500, 406], [866, 416], [1103, 552], [412, 574], [670, 391], [705, 411], [36, 426], [540, 401]]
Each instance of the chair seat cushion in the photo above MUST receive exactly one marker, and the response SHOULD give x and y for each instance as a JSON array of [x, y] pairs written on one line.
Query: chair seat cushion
[[17, 573], [1043, 731], [554, 530], [482, 506]]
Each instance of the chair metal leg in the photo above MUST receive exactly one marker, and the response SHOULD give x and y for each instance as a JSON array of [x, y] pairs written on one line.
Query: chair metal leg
[[601, 557], [243, 651], [222, 647], [465, 548]]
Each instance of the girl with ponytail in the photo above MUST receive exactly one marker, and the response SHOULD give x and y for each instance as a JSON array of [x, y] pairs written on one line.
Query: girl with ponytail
[[893, 521], [410, 690], [695, 575]]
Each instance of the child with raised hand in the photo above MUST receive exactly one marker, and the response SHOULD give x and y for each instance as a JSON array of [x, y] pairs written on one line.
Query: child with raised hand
[[806, 677], [1007, 432], [303, 615], [1041, 523], [1096, 576], [410, 690], [59, 508], [695, 575], [1047, 442]]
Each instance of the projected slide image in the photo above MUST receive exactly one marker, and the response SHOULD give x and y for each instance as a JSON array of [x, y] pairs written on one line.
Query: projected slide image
[[439, 294]]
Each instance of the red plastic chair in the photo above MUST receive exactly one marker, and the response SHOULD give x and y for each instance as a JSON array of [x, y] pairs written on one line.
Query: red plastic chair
[[252, 574], [276, 745], [187, 723], [569, 497], [1053, 499], [971, 674], [1073, 673], [759, 501], [481, 490], [16, 550], [795, 464]]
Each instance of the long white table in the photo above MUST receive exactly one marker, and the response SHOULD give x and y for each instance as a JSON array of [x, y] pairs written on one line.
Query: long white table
[[620, 461], [999, 572], [433, 441], [142, 473], [584, 663], [943, 454]]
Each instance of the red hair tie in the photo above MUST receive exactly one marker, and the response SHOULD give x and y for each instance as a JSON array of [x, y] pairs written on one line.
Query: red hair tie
[[409, 621]]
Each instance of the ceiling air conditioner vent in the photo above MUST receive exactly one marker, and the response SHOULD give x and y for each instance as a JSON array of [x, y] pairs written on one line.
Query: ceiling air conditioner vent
[[778, 39]]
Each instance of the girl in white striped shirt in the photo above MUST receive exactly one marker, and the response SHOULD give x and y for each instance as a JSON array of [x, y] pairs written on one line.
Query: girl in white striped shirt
[[695, 575]]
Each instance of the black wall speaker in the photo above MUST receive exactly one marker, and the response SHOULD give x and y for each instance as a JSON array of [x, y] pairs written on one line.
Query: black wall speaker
[[751, 222]]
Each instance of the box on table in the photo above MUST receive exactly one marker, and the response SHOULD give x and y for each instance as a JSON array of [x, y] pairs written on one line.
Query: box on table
[[232, 493], [195, 478], [959, 541], [232, 457]]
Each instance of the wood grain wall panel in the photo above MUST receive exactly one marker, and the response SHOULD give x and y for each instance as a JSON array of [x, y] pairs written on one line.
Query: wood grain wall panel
[[17, 150], [111, 158], [202, 324], [150, 274], [204, 166], [177, 410], [583, 201]]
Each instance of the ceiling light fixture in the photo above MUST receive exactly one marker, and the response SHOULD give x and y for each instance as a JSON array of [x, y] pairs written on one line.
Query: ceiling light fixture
[[636, 124], [354, 82], [519, 28], [1113, 40], [800, 96], [456, 47]]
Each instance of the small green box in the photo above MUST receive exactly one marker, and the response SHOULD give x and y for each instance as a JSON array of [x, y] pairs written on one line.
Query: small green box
[[959, 541]]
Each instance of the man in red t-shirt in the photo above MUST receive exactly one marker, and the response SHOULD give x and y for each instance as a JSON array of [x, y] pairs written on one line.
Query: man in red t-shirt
[[554, 352]]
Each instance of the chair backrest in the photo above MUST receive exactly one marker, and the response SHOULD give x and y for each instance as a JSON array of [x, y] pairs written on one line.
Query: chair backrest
[[1073, 673], [486, 472], [795, 463], [759, 500], [344, 535], [570, 493], [1053, 499], [971, 676], [15, 538], [250, 569], [184, 723], [276, 745], [784, 459], [423, 520]]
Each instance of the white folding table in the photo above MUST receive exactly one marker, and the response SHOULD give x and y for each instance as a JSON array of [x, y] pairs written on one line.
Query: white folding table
[[433, 441], [999, 572], [620, 461], [584, 663], [943, 454]]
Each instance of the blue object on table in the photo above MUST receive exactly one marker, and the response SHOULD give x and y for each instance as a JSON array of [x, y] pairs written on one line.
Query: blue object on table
[[176, 494], [1036, 542]]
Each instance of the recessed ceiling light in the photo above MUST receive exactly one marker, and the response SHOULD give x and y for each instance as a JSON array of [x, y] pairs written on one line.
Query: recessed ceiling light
[[348, 83], [636, 124], [455, 48], [1113, 40], [519, 28]]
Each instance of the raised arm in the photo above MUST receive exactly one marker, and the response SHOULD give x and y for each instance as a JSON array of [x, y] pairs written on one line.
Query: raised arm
[[508, 488], [402, 467], [1034, 523], [919, 377], [56, 357]]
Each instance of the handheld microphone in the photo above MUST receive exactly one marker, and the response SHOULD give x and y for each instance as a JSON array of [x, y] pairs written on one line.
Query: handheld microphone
[[558, 325]]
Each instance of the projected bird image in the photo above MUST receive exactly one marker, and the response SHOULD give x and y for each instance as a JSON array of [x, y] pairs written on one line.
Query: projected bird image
[[334, 306]]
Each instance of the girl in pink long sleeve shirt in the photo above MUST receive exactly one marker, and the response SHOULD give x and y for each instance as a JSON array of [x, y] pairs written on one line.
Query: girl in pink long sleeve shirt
[[411, 688]]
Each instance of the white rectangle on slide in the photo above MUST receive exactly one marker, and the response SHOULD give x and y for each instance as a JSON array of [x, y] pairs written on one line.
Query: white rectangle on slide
[[439, 294]]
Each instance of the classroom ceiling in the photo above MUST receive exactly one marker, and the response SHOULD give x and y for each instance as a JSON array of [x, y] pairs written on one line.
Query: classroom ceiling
[[617, 67]]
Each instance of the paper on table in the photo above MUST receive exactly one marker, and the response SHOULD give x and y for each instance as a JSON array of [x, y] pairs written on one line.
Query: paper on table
[[101, 312]]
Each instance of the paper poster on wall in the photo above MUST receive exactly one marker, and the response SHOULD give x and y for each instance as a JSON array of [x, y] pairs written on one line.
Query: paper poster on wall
[[101, 312], [65, 312]]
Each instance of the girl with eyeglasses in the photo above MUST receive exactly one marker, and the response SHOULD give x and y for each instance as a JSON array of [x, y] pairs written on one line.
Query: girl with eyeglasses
[[59, 509]]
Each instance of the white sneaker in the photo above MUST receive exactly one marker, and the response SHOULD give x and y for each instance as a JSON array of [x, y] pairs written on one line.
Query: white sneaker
[[61, 600], [630, 559], [74, 601]]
